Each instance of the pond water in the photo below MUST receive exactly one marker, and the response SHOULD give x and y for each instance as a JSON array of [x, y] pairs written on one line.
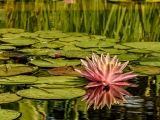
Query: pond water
[[41, 42]]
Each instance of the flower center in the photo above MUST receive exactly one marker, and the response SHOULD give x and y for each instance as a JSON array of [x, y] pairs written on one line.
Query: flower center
[[106, 88]]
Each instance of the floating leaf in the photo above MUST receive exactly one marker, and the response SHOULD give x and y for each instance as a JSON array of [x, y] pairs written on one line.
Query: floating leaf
[[37, 51], [145, 70], [21, 79], [10, 70], [87, 44], [119, 46], [7, 47], [60, 82], [111, 51], [49, 62], [71, 53], [8, 98], [138, 51], [49, 45], [20, 41], [128, 57], [151, 61], [152, 46], [66, 70], [65, 93], [9, 114]]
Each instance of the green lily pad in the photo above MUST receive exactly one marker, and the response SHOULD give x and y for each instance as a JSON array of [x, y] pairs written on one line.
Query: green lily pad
[[70, 39], [151, 61], [10, 70], [60, 82], [152, 46], [138, 51], [8, 98], [48, 45], [48, 62], [36, 51], [9, 114], [21, 79], [53, 34], [28, 35], [70, 47], [65, 93], [119, 46], [3, 31], [111, 40], [105, 44], [87, 44], [145, 70], [111, 51], [98, 37], [15, 30], [128, 57], [20, 41], [7, 47], [10, 36], [71, 53]]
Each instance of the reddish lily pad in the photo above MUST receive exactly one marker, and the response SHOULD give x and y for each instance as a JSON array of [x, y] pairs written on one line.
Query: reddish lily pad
[[66, 70]]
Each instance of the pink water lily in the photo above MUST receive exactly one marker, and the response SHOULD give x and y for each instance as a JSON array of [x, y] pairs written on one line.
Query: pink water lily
[[106, 81]]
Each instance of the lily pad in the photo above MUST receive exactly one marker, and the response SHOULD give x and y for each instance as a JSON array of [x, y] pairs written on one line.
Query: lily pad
[[145, 70], [7, 47], [60, 82], [151, 61], [36, 51], [138, 51], [98, 36], [71, 53], [152, 46], [49, 45], [20, 41], [119, 46], [66, 71], [105, 44], [21, 79], [8, 98], [111, 51], [65, 93], [49, 62], [70, 39], [87, 44], [10, 70], [28, 34], [9, 114], [128, 57]]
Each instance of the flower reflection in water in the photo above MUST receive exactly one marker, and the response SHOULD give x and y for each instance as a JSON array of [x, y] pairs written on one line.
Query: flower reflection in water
[[106, 81]]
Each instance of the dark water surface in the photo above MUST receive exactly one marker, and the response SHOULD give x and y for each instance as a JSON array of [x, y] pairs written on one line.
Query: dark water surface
[[129, 22]]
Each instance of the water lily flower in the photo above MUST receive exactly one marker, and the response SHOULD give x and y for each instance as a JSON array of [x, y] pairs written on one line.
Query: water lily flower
[[69, 1], [106, 81]]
